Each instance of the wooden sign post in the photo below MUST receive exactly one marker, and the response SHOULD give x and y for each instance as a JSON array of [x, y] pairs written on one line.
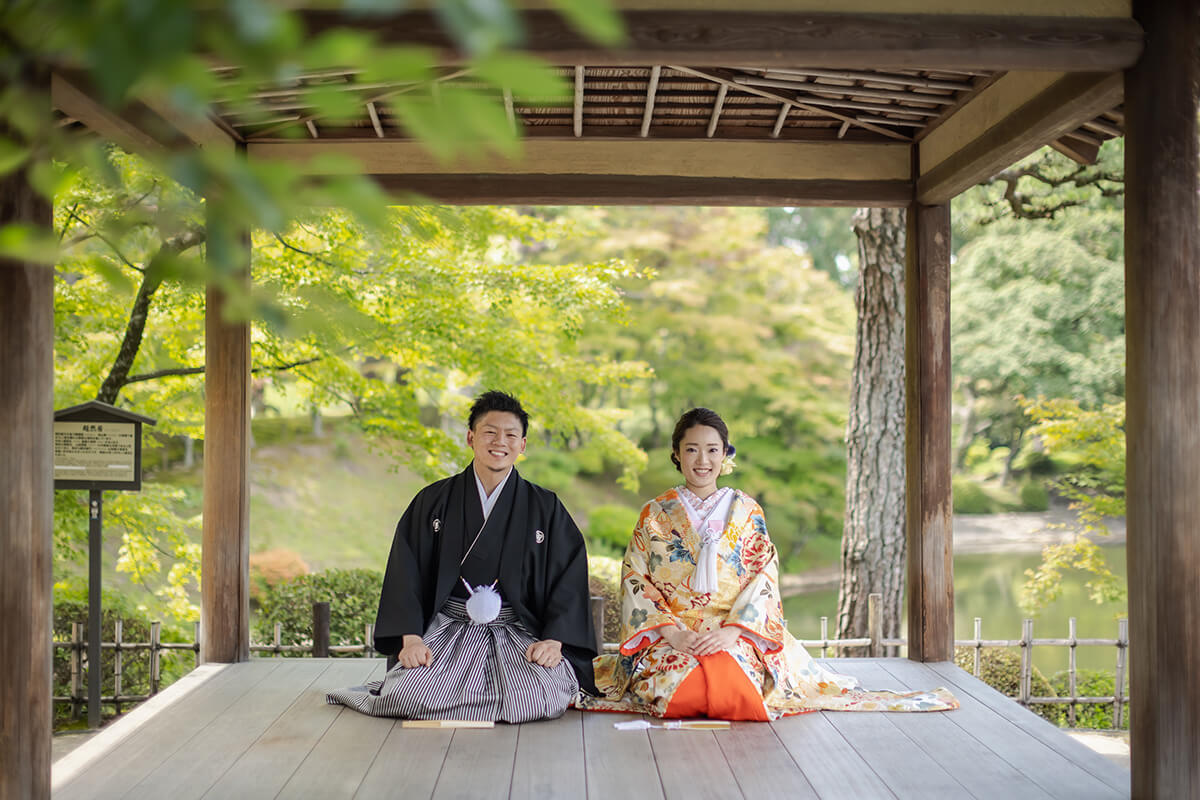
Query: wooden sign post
[[97, 447]]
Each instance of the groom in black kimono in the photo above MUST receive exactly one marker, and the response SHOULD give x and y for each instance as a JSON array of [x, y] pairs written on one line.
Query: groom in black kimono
[[486, 526]]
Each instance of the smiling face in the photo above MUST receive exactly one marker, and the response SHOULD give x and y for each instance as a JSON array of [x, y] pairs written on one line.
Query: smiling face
[[700, 454], [496, 440]]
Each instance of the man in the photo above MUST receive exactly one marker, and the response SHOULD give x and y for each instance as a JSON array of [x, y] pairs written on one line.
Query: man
[[485, 527]]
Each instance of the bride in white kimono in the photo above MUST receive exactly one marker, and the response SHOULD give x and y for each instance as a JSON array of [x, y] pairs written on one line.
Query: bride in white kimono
[[702, 627]]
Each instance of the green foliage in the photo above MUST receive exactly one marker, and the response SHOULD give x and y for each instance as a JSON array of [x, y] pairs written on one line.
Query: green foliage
[[750, 330], [1037, 302], [1034, 496], [610, 528], [971, 498], [604, 580], [352, 594], [1092, 683], [163, 53], [1000, 668], [1095, 485]]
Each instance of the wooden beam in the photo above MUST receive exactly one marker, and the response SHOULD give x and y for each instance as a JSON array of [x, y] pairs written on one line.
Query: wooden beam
[[1013, 8], [200, 131], [1079, 152], [574, 189], [773, 159], [26, 501], [651, 91], [71, 99], [1006, 122], [927, 434], [225, 552], [784, 98], [715, 116], [1162, 384], [577, 115], [707, 38]]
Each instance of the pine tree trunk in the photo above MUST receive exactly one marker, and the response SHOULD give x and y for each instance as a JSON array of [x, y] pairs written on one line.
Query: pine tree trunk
[[873, 533]]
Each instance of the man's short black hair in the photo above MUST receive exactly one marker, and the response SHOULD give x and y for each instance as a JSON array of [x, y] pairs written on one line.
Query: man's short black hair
[[498, 401]]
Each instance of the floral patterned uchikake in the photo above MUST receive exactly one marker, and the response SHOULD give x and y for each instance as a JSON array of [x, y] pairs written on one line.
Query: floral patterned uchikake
[[657, 590]]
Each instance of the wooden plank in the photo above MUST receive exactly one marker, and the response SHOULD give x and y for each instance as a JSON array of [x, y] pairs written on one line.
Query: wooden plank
[[408, 757], [26, 498], [351, 743], [225, 551], [550, 759], [69, 766], [783, 38], [786, 160], [981, 770], [927, 434], [692, 766], [268, 764], [619, 763], [1006, 122], [479, 764], [906, 768], [829, 763], [133, 759], [762, 766], [1162, 302], [192, 769], [640, 190], [1062, 766]]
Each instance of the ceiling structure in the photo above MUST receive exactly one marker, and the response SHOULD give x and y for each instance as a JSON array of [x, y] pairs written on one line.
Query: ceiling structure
[[753, 106]]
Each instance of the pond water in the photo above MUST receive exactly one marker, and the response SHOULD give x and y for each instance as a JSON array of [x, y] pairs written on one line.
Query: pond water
[[989, 586]]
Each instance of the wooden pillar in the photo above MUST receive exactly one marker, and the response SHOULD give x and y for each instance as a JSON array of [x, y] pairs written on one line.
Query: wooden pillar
[[225, 557], [1162, 347], [927, 434], [26, 504]]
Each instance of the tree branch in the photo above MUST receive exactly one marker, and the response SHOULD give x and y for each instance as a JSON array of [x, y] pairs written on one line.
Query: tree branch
[[174, 372], [135, 328], [1046, 206]]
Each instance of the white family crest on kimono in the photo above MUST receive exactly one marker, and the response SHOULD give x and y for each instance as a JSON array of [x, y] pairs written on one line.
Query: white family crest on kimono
[[681, 571]]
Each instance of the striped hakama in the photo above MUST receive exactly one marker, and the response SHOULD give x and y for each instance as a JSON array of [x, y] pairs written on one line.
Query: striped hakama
[[479, 672]]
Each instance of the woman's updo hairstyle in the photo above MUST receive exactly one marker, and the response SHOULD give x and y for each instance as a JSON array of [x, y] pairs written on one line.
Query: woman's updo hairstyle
[[698, 416]]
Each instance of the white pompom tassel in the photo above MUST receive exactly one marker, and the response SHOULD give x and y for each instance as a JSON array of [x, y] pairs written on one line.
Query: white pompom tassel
[[483, 605]]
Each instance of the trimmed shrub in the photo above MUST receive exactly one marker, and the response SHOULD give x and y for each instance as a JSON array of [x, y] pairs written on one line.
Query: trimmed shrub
[[1091, 683], [971, 498], [610, 528], [1000, 668], [352, 594], [604, 580], [1034, 496]]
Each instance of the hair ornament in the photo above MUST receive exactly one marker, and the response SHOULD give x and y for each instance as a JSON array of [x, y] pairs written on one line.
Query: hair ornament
[[728, 464]]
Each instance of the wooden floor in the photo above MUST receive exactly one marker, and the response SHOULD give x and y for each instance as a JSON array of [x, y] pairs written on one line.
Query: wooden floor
[[261, 730]]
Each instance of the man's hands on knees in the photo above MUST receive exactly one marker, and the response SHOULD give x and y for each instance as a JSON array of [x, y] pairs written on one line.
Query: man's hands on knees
[[546, 653], [415, 653]]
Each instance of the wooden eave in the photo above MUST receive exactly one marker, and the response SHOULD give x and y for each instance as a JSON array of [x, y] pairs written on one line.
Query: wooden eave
[[711, 106]]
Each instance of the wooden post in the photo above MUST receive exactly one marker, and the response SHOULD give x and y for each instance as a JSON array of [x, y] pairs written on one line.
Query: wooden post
[[1162, 384], [320, 630], [26, 501], [875, 624], [225, 558], [597, 606], [927, 434]]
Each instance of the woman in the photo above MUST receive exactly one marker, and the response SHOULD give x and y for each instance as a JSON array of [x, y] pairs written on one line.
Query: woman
[[702, 625]]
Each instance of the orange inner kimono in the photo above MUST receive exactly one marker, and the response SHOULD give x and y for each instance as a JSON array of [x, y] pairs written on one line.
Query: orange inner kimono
[[764, 676]]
